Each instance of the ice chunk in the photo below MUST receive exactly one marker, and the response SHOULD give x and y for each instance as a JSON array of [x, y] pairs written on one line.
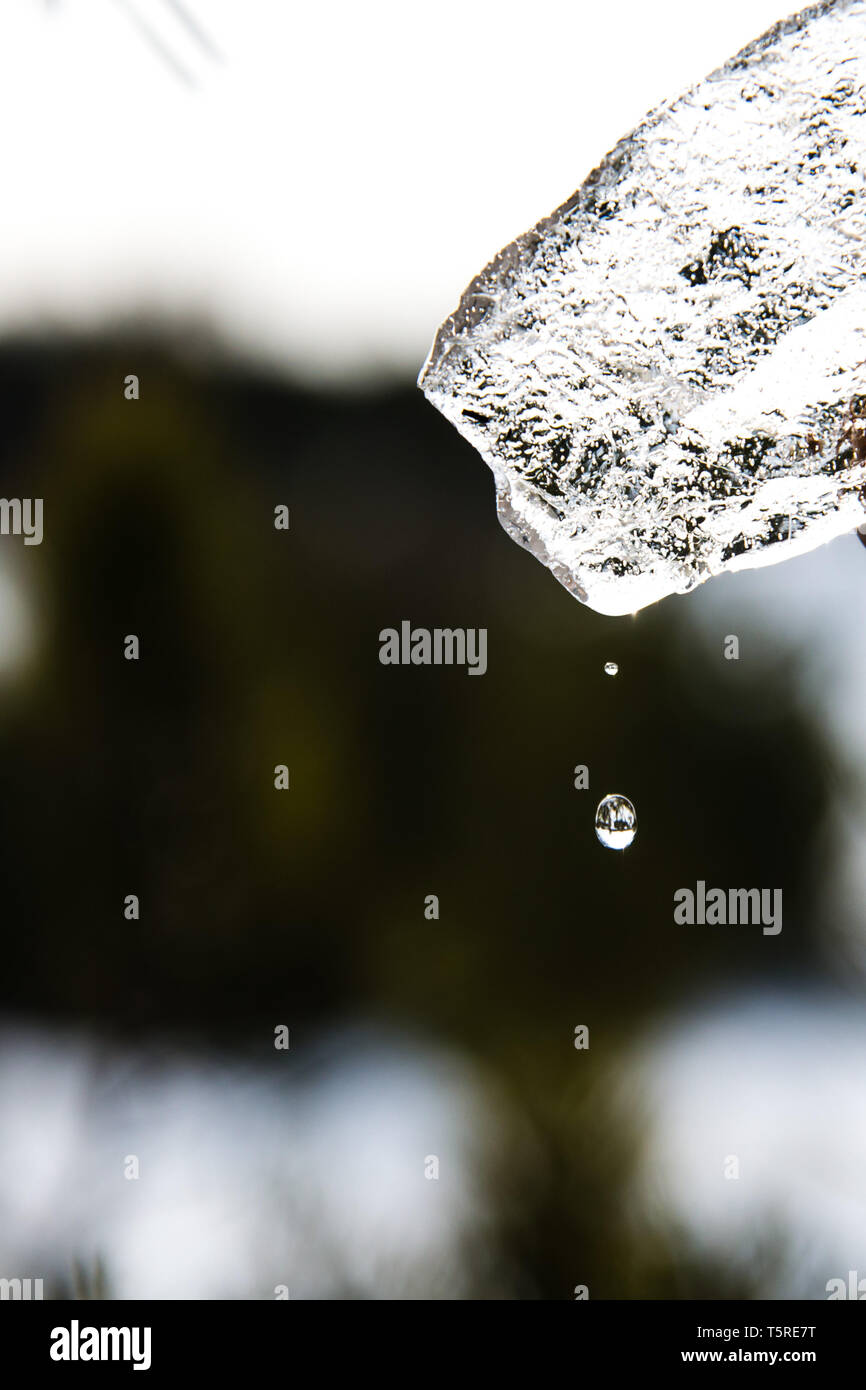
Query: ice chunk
[[666, 374]]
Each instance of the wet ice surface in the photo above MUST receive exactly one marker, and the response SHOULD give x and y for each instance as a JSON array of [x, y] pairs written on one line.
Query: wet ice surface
[[665, 375]]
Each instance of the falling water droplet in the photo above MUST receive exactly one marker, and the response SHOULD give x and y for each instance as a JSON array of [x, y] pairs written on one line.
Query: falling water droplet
[[615, 822], [610, 668]]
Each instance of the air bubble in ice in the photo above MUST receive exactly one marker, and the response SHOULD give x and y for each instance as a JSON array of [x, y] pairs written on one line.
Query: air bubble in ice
[[615, 822]]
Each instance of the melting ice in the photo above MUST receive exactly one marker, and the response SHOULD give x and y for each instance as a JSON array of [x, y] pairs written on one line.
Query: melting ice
[[667, 375]]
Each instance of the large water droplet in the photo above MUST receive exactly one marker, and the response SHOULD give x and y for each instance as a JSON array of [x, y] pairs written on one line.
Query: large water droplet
[[615, 822], [610, 668]]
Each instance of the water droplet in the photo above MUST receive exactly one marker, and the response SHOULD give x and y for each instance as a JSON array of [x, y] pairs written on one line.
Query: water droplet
[[610, 668], [615, 822]]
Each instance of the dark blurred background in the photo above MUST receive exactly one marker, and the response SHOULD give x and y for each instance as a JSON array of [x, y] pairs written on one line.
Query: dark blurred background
[[306, 907]]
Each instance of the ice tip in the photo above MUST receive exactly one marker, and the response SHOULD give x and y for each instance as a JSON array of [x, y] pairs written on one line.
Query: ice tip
[[430, 374], [424, 373]]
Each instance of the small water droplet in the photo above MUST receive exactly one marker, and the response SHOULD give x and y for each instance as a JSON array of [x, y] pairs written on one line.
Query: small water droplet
[[610, 668], [615, 821]]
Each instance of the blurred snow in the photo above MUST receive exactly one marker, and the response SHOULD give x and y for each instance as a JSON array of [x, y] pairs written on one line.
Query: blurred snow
[[250, 1177], [325, 192], [780, 1083]]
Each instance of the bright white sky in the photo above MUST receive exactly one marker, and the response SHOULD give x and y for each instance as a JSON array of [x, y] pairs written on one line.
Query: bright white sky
[[325, 193]]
